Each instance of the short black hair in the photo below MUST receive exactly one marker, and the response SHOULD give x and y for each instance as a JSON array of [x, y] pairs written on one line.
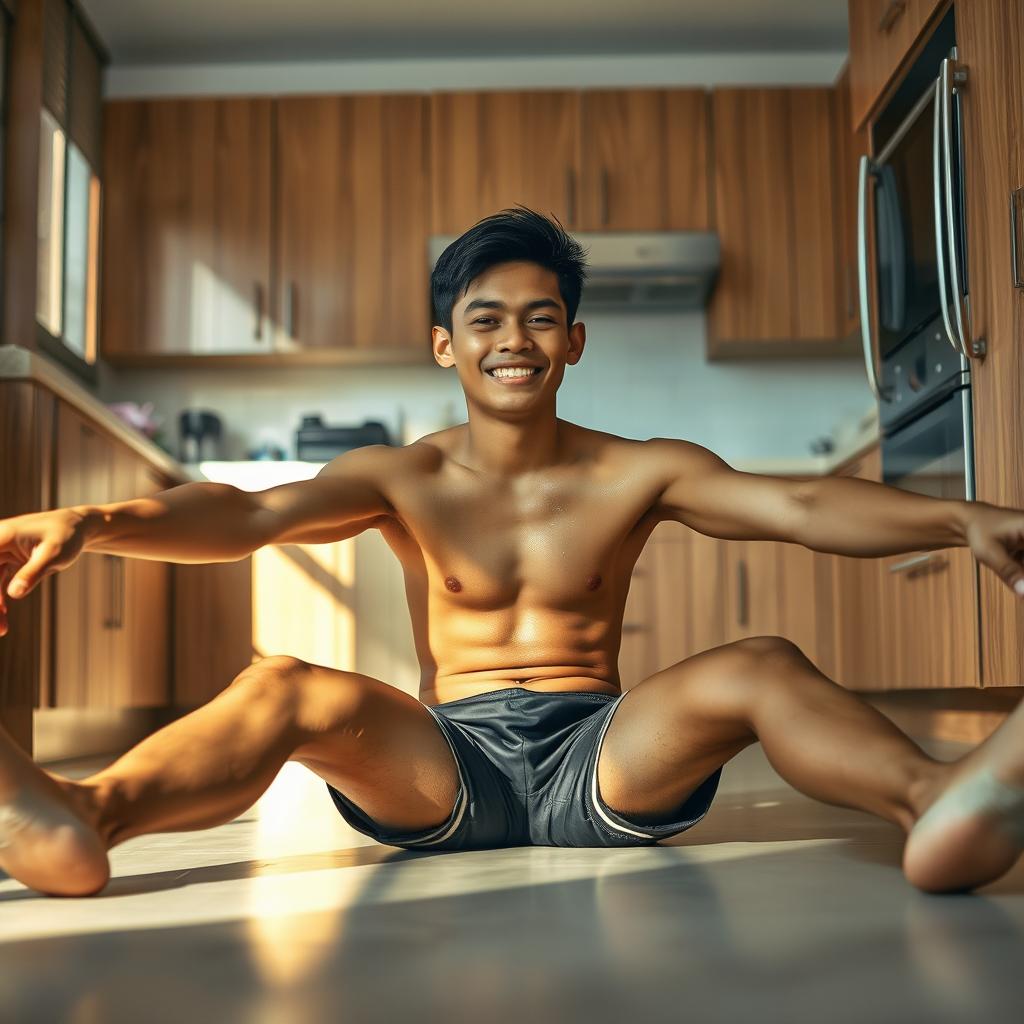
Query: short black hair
[[515, 234]]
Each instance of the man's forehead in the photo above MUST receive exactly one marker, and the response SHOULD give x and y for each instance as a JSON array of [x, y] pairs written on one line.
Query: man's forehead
[[498, 286]]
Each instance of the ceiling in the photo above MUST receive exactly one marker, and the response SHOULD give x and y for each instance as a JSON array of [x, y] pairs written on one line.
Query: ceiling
[[201, 31]]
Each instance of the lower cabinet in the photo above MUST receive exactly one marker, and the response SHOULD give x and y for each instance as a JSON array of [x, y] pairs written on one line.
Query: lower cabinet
[[112, 614]]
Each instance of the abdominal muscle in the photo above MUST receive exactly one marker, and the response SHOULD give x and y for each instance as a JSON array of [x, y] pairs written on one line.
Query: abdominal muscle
[[452, 688]]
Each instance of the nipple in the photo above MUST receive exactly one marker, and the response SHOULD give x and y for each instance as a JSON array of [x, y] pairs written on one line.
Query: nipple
[[452, 584], [593, 581]]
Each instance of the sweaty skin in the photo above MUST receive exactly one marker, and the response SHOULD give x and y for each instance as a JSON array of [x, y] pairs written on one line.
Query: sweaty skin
[[519, 582]]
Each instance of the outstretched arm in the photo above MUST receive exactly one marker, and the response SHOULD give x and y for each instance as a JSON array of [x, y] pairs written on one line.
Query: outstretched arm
[[831, 514]]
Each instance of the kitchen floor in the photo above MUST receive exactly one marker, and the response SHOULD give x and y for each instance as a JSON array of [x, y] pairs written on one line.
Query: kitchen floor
[[774, 907]]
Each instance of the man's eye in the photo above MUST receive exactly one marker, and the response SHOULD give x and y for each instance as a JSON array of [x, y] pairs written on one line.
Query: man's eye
[[481, 319]]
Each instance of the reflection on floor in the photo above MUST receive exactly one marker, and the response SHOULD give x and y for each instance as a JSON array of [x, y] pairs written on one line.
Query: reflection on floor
[[773, 908]]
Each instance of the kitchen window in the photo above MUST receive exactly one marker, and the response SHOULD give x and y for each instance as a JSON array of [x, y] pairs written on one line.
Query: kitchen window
[[70, 189]]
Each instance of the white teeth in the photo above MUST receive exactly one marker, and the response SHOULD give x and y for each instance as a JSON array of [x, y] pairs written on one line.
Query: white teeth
[[516, 372]]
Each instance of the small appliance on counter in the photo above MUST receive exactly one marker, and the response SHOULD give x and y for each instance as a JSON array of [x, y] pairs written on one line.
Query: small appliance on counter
[[199, 433], [316, 442]]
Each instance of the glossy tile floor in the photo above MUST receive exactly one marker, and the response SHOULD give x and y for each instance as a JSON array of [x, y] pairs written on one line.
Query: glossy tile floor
[[774, 907]]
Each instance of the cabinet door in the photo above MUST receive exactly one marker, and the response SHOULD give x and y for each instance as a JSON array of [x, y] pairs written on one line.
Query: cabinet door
[[84, 593], [850, 145], [142, 672], [352, 214], [774, 190], [492, 150], [645, 160], [186, 227], [801, 606], [753, 585], [990, 37], [882, 34]]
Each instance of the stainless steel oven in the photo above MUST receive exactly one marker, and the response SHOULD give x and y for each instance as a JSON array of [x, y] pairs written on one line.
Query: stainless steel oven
[[914, 185]]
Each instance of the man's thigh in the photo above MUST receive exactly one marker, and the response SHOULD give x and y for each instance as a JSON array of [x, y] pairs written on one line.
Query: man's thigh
[[671, 731], [380, 747]]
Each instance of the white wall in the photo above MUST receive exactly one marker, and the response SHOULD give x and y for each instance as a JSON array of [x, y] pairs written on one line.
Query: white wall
[[640, 376]]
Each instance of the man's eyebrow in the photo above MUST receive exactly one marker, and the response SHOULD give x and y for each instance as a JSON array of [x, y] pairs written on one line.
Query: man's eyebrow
[[498, 304]]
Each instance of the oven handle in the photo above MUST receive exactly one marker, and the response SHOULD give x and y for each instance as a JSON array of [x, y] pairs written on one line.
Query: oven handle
[[951, 75], [940, 192], [862, 276]]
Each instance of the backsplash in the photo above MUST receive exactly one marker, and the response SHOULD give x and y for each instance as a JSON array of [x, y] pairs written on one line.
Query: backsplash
[[640, 376]]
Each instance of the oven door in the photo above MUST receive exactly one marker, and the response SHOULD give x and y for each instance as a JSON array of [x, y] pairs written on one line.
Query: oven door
[[933, 454]]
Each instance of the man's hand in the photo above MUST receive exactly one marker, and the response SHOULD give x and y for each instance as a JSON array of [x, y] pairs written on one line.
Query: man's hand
[[996, 536], [33, 547]]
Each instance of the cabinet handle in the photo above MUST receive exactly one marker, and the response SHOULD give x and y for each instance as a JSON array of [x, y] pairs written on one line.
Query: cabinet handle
[[258, 329], [122, 577], [741, 590], [290, 302], [110, 616], [570, 196], [633, 627], [891, 14], [1016, 202], [938, 560], [604, 196]]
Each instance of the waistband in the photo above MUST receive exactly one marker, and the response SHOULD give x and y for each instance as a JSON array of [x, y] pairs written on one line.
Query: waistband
[[519, 692]]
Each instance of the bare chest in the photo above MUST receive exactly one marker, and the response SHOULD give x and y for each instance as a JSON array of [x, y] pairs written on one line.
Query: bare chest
[[550, 543]]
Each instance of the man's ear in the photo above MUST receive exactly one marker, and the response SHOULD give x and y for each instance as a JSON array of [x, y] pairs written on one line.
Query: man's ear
[[441, 342], [577, 342]]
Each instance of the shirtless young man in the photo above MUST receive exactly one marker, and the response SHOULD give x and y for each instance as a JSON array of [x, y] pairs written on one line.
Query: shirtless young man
[[517, 533]]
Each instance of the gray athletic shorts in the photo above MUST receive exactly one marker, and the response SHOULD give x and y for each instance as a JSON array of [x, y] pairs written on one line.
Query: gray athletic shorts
[[528, 777]]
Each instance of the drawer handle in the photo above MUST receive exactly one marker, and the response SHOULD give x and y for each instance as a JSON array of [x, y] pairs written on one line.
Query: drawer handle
[[938, 560], [1016, 261], [891, 14], [741, 593]]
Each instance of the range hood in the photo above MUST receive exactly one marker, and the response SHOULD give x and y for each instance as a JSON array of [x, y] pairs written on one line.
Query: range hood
[[670, 270]]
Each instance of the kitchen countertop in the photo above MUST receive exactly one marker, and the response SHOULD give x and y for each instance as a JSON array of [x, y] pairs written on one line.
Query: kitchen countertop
[[18, 363]]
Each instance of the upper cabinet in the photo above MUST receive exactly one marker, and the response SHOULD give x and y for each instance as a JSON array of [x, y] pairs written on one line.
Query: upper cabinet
[[599, 160], [644, 160], [491, 150], [882, 32], [186, 227], [775, 209], [197, 190], [352, 211]]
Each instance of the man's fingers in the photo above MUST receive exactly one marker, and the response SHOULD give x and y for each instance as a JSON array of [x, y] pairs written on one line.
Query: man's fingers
[[31, 572]]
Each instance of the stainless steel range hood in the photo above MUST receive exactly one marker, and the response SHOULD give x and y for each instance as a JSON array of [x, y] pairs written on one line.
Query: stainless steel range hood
[[670, 270]]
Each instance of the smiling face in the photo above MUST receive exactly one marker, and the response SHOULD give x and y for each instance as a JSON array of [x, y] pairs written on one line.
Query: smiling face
[[511, 314]]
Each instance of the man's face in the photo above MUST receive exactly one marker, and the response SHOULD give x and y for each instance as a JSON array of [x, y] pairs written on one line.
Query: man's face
[[513, 313]]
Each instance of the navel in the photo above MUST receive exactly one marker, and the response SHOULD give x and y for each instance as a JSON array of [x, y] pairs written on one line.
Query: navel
[[593, 581], [452, 584]]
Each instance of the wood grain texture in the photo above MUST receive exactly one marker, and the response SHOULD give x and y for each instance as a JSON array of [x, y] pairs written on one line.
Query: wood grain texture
[[186, 226], [491, 150], [878, 52], [212, 628], [23, 470], [774, 200], [352, 214], [21, 174], [990, 36], [644, 160]]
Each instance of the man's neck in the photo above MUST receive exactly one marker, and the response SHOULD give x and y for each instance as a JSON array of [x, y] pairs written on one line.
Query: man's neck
[[501, 448]]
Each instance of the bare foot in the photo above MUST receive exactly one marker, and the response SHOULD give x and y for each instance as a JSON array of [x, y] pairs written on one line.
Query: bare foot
[[973, 831], [43, 842]]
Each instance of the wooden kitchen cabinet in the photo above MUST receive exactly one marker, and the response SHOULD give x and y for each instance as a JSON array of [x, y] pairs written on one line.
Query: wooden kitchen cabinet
[[775, 200], [882, 36], [644, 160], [599, 160], [111, 637], [352, 214], [850, 146], [186, 228], [492, 150], [990, 39]]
